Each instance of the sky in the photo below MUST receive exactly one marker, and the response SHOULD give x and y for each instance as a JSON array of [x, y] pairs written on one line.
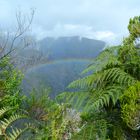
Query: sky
[[105, 20]]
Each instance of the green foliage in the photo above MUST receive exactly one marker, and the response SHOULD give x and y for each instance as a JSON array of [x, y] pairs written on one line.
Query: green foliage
[[108, 99], [7, 132], [38, 104], [10, 78], [91, 131], [92, 128], [10, 102], [61, 123], [130, 102], [53, 121], [65, 123], [112, 86]]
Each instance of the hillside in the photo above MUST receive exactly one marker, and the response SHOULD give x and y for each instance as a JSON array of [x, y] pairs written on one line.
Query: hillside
[[70, 47], [66, 58], [56, 75]]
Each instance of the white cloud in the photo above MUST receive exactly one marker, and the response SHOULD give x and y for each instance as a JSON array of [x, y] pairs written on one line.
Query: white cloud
[[104, 35], [74, 30], [107, 36], [90, 18]]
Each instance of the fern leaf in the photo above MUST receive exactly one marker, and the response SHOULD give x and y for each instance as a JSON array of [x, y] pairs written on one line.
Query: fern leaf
[[7, 122], [82, 83], [4, 110], [16, 133]]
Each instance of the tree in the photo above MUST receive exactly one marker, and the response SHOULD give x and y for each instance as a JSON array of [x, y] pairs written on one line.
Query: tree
[[10, 90], [10, 77], [109, 94]]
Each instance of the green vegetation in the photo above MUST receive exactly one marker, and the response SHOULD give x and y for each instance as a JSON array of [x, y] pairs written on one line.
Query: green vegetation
[[109, 97], [104, 105], [10, 101]]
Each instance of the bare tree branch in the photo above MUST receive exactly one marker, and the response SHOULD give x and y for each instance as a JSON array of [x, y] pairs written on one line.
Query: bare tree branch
[[22, 28]]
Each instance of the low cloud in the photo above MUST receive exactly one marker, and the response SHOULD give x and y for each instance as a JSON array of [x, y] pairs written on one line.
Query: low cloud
[[74, 30], [103, 20]]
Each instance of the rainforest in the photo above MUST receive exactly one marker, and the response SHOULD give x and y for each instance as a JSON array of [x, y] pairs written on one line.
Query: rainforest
[[69, 88]]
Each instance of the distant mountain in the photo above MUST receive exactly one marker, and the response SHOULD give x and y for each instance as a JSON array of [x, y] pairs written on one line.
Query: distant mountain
[[66, 59], [70, 47]]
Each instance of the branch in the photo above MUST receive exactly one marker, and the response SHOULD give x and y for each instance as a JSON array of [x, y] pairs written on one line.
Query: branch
[[21, 29]]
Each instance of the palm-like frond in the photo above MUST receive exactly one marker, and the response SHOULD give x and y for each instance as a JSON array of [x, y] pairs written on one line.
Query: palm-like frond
[[83, 82], [16, 132], [7, 122], [100, 93], [4, 110]]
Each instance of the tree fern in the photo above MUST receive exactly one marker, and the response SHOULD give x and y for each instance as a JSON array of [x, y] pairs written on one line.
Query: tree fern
[[118, 78], [110, 85], [16, 132]]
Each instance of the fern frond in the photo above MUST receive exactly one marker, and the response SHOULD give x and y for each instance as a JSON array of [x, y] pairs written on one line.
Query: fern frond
[[91, 68], [83, 82], [108, 56], [115, 75], [102, 94], [16, 132], [102, 64], [7, 122], [101, 98], [4, 110], [100, 79]]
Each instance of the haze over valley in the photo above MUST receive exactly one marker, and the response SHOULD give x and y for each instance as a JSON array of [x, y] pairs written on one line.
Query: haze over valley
[[62, 61]]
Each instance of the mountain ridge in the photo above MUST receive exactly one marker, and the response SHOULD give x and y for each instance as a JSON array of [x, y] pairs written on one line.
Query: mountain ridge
[[70, 47]]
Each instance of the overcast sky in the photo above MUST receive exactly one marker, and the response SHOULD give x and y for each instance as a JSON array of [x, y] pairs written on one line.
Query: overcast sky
[[99, 19]]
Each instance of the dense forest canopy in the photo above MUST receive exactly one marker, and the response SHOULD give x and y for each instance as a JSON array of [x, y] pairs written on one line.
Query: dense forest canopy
[[103, 105]]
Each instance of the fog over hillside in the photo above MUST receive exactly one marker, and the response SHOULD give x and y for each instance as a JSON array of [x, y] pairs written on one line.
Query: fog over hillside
[[66, 57]]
